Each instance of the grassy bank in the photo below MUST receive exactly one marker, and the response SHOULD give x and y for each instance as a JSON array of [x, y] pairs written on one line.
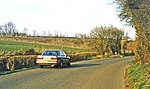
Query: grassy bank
[[139, 76], [10, 47]]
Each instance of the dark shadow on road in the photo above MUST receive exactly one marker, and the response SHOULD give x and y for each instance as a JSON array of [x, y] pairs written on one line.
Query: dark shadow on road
[[82, 65], [72, 66]]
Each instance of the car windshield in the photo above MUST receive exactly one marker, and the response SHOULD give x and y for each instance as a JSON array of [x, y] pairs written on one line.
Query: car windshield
[[51, 53]]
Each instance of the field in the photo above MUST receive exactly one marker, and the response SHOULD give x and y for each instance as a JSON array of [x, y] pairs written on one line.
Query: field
[[10, 47], [57, 41]]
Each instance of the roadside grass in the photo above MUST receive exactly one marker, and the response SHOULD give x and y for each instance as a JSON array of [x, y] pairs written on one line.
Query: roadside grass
[[17, 70], [10, 47], [12, 71], [139, 76]]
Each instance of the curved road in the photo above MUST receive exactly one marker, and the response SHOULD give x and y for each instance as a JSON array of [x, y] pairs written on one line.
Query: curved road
[[93, 74]]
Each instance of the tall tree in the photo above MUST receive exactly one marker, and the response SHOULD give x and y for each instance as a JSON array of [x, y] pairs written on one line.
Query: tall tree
[[11, 29], [107, 39], [137, 14], [100, 42], [114, 37]]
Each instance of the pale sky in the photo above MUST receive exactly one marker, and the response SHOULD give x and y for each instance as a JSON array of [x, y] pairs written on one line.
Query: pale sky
[[66, 16]]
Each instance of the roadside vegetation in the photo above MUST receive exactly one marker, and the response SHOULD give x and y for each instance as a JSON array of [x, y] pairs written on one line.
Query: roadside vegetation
[[136, 14], [139, 76]]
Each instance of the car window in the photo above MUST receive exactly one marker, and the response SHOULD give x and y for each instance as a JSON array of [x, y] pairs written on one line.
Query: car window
[[62, 53], [51, 53]]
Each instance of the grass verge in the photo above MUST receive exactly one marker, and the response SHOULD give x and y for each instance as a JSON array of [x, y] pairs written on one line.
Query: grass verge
[[138, 76], [18, 70]]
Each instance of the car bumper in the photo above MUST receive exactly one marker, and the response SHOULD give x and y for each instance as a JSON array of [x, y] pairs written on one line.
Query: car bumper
[[47, 63]]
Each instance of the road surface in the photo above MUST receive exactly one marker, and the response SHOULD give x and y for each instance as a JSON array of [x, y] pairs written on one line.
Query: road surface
[[93, 74]]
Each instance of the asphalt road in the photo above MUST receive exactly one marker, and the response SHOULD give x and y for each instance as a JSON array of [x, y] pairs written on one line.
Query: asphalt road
[[93, 74]]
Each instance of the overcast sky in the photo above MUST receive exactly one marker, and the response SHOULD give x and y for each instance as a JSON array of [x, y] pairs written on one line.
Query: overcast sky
[[66, 16]]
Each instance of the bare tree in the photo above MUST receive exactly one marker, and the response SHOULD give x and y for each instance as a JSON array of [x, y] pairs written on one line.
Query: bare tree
[[35, 33], [25, 31], [11, 28], [44, 33], [106, 39], [8, 29], [115, 36], [49, 34], [100, 43], [56, 33]]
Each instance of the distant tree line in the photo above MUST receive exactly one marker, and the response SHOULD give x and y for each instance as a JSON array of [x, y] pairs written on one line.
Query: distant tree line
[[80, 35], [9, 29], [106, 39]]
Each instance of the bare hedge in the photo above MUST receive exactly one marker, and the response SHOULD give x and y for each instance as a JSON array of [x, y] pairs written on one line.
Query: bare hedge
[[19, 62], [16, 62], [81, 56]]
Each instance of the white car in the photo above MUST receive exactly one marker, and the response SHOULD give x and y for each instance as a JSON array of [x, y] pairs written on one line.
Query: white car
[[53, 58]]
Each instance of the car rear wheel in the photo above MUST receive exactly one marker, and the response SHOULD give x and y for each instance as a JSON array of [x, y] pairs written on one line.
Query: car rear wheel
[[69, 64], [41, 66], [61, 64]]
